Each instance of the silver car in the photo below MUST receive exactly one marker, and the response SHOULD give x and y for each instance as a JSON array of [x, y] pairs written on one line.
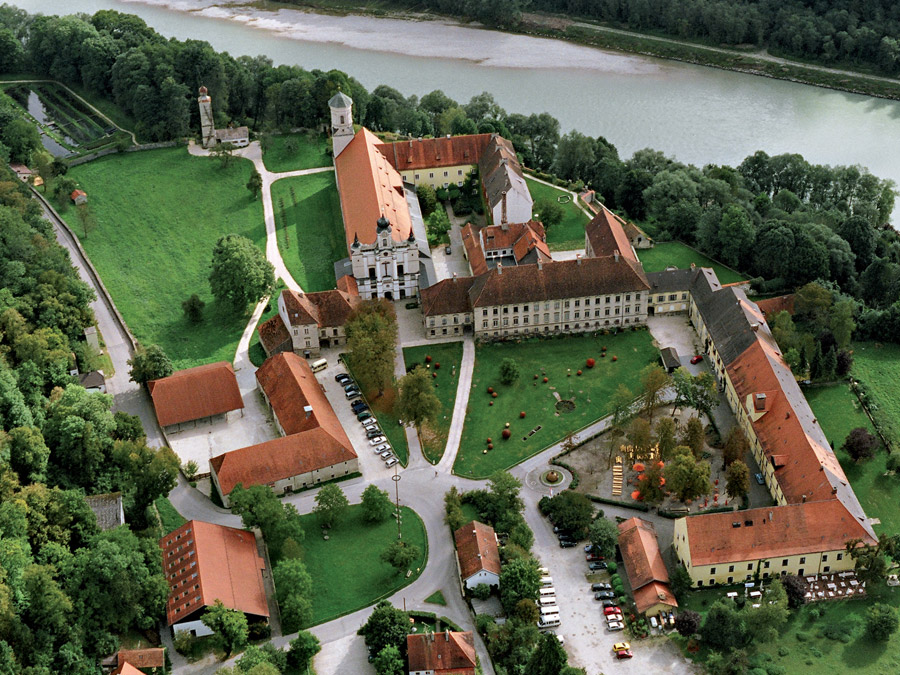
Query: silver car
[[387, 454], [390, 462], [378, 440], [381, 448]]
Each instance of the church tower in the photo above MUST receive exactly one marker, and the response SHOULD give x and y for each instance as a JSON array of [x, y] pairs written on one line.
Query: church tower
[[341, 121], [208, 128]]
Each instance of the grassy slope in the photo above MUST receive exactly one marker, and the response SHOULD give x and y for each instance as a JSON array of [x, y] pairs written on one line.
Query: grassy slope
[[171, 519], [552, 358], [675, 253], [878, 366], [159, 214], [346, 570], [315, 236], [570, 232], [449, 355], [311, 152]]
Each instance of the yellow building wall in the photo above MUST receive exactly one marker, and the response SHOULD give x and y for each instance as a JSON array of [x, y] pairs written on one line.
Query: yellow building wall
[[435, 176]]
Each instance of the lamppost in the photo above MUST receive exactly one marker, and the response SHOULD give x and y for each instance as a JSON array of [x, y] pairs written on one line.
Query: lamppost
[[396, 478]]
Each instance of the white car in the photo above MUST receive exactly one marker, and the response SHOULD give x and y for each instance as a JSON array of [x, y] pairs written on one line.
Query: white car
[[370, 420], [370, 427], [390, 462], [381, 448], [387, 454], [612, 618], [615, 625], [378, 440]]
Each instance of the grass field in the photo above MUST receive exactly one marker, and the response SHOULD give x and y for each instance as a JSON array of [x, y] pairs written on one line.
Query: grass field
[[552, 359], [169, 517], [569, 233], [449, 356], [159, 214], [311, 152], [315, 230], [675, 253], [878, 367], [838, 411], [346, 570]]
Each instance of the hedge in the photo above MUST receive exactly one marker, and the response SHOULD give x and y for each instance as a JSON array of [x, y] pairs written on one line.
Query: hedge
[[615, 502]]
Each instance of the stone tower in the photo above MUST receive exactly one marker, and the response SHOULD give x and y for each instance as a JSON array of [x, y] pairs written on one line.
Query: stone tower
[[207, 126], [341, 121]]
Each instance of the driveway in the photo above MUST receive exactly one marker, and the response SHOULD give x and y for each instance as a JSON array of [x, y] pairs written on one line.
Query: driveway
[[447, 265]]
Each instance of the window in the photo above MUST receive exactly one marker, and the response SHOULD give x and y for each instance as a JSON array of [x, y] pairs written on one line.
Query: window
[[484, 324], [699, 583], [628, 297], [372, 273], [496, 323], [556, 304], [445, 174], [627, 309], [731, 569], [459, 172], [730, 579], [505, 321], [750, 566], [606, 311], [431, 175], [496, 311], [784, 562], [525, 308], [840, 556], [444, 321], [506, 310], [546, 317], [484, 312], [417, 176], [826, 569], [455, 319], [803, 561], [400, 270], [431, 321], [672, 297], [578, 303], [566, 305], [824, 557], [712, 570], [515, 321], [766, 565], [618, 298]]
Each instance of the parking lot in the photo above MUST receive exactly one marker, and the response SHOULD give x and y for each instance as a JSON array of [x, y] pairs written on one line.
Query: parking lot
[[582, 625], [370, 464]]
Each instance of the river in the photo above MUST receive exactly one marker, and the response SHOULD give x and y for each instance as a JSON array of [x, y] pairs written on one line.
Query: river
[[700, 115]]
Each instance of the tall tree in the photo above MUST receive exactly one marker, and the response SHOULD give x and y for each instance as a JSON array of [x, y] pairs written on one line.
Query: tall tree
[[737, 479], [229, 624], [640, 437], [386, 625], [255, 183], [240, 273], [150, 363], [417, 403], [686, 477], [389, 662], [654, 380], [860, 444], [736, 445], [519, 579], [372, 343], [694, 436], [549, 657], [294, 588], [666, 437], [604, 535], [331, 504], [400, 555], [302, 649], [376, 504]]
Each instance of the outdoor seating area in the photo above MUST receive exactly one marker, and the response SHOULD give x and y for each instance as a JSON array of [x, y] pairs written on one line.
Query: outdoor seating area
[[833, 587]]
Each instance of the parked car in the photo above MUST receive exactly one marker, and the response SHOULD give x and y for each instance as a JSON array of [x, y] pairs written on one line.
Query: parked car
[[610, 618], [601, 587], [412, 305], [353, 393], [359, 406], [621, 647], [378, 440], [342, 378], [374, 433], [697, 359], [624, 654], [365, 415], [760, 479], [615, 625], [369, 426], [609, 603], [611, 610], [387, 454], [566, 543], [381, 448], [591, 557], [389, 463], [597, 565], [350, 385], [604, 595]]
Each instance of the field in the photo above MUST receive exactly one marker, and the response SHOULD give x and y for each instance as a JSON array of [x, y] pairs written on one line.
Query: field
[[878, 367], [315, 231], [311, 152], [675, 253], [569, 233], [449, 356], [346, 570], [158, 215], [838, 411], [558, 360]]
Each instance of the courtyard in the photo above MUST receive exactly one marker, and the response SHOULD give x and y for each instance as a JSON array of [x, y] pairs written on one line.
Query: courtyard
[[564, 403]]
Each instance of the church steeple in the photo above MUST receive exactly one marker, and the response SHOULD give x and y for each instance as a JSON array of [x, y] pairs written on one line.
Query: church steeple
[[341, 121]]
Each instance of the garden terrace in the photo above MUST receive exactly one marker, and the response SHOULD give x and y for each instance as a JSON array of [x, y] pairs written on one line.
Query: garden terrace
[[569, 233], [676, 254], [558, 360]]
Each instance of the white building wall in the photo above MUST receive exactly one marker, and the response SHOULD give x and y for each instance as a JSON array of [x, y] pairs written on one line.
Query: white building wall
[[482, 577], [199, 628]]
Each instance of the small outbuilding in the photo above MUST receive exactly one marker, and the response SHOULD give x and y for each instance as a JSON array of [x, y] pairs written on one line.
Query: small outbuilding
[[203, 393], [78, 197], [645, 567], [108, 508], [477, 555], [94, 382], [670, 359], [23, 173]]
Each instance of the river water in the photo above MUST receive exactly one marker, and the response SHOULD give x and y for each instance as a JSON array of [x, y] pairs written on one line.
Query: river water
[[699, 115]]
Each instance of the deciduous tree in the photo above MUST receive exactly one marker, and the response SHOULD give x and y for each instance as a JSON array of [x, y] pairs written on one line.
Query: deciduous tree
[[686, 477], [604, 535], [331, 504], [654, 380], [549, 657], [417, 403], [240, 273], [387, 625], [509, 371], [640, 437], [294, 588], [150, 363], [193, 308], [255, 183], [737, 479], [229, 624], [687, 622], [389, 662], [666, 437], [400, 555], [860, 444], [372, 343], [570, 511], [694, 436], [302, 649], [881, 621], [519, 579], [376, 505]]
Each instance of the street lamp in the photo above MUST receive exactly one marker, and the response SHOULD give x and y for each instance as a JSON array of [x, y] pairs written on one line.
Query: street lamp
[[396, 478]]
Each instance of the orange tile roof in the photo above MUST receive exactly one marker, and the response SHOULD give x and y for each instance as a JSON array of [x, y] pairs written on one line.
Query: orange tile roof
[[282, 458], [273, 334], [776, 532], [195, 393], [369, 188], [606, 234], [474, 252], [290, 387], [347, 284], [653, 594], [443, 653], [640, 553], [476, 549], [427, 153], [528, 242], [770, 307], [126, 669], [143, 658], [223, 561], [299, 310]]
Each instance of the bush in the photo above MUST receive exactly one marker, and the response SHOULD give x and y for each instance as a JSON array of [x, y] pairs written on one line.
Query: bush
[[612, 567], [481, 592]]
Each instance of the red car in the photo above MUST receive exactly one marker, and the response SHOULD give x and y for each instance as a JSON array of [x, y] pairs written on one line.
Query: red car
[[624, 654], [611, 610], [697, 359]]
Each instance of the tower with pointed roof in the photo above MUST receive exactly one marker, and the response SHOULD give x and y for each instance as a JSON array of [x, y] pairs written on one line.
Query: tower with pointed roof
[[341, 121], [207, 126]]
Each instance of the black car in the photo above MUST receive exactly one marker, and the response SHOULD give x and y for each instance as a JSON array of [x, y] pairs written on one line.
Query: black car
[[597, 565], [601, 587], [566, 543], [359, 406], [343, 378], [373, 434], [609, 603], [350, 386], [604, 595]]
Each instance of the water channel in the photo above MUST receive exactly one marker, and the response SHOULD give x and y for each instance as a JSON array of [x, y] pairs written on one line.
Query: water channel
[[699, 115]]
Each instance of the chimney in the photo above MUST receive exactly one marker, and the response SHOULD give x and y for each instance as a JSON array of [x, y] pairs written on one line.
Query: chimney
[[454, 277], [446, 636], [616, 255], [693, 266], [503, 208], [759, 403], [578, 259], [834, 490], [499, 268], [308, 410], [540, 263], [754, 327], [803, 499], [448, 135]]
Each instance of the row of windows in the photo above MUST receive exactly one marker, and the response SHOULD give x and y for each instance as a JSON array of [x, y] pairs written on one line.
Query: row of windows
[[187, 604], [784, 563], [446, 174], [179, 536], [565, 327], [566, 304], [556, 317], [672, 297]]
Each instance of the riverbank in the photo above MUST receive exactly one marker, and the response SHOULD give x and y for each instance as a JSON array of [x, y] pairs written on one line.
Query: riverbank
[[603, 37]]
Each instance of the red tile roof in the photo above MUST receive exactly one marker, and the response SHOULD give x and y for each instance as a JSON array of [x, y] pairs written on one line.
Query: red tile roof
[[143, 658], [474, 252], [771, 307], [282, 458], [347, 284], [444, 653], [227, 566], [435, 152], [195, 393], [640, 553], [273, 335], [126, 669], [370, 187], [448, 296], [606, 235], [299, 310], [776, 532], [476, 549], [77, 193], [652, 594], [290, 387]]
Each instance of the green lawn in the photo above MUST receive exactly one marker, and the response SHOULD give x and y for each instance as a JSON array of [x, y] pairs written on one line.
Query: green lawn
[[159, 214], [449, 356], [346, 570], [255, 350], [315, 231], [436, 598], [311, 152], [551, 358], [170, 518], [383, 409], [569, 233], [878, 366], [838, 411], [675, 253]]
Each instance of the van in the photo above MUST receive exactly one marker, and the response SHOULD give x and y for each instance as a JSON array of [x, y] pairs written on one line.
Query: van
[[549, 610], [548, 592], [546, 581], [547, 601], [543, 571], [321, 364], [548, 621]]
